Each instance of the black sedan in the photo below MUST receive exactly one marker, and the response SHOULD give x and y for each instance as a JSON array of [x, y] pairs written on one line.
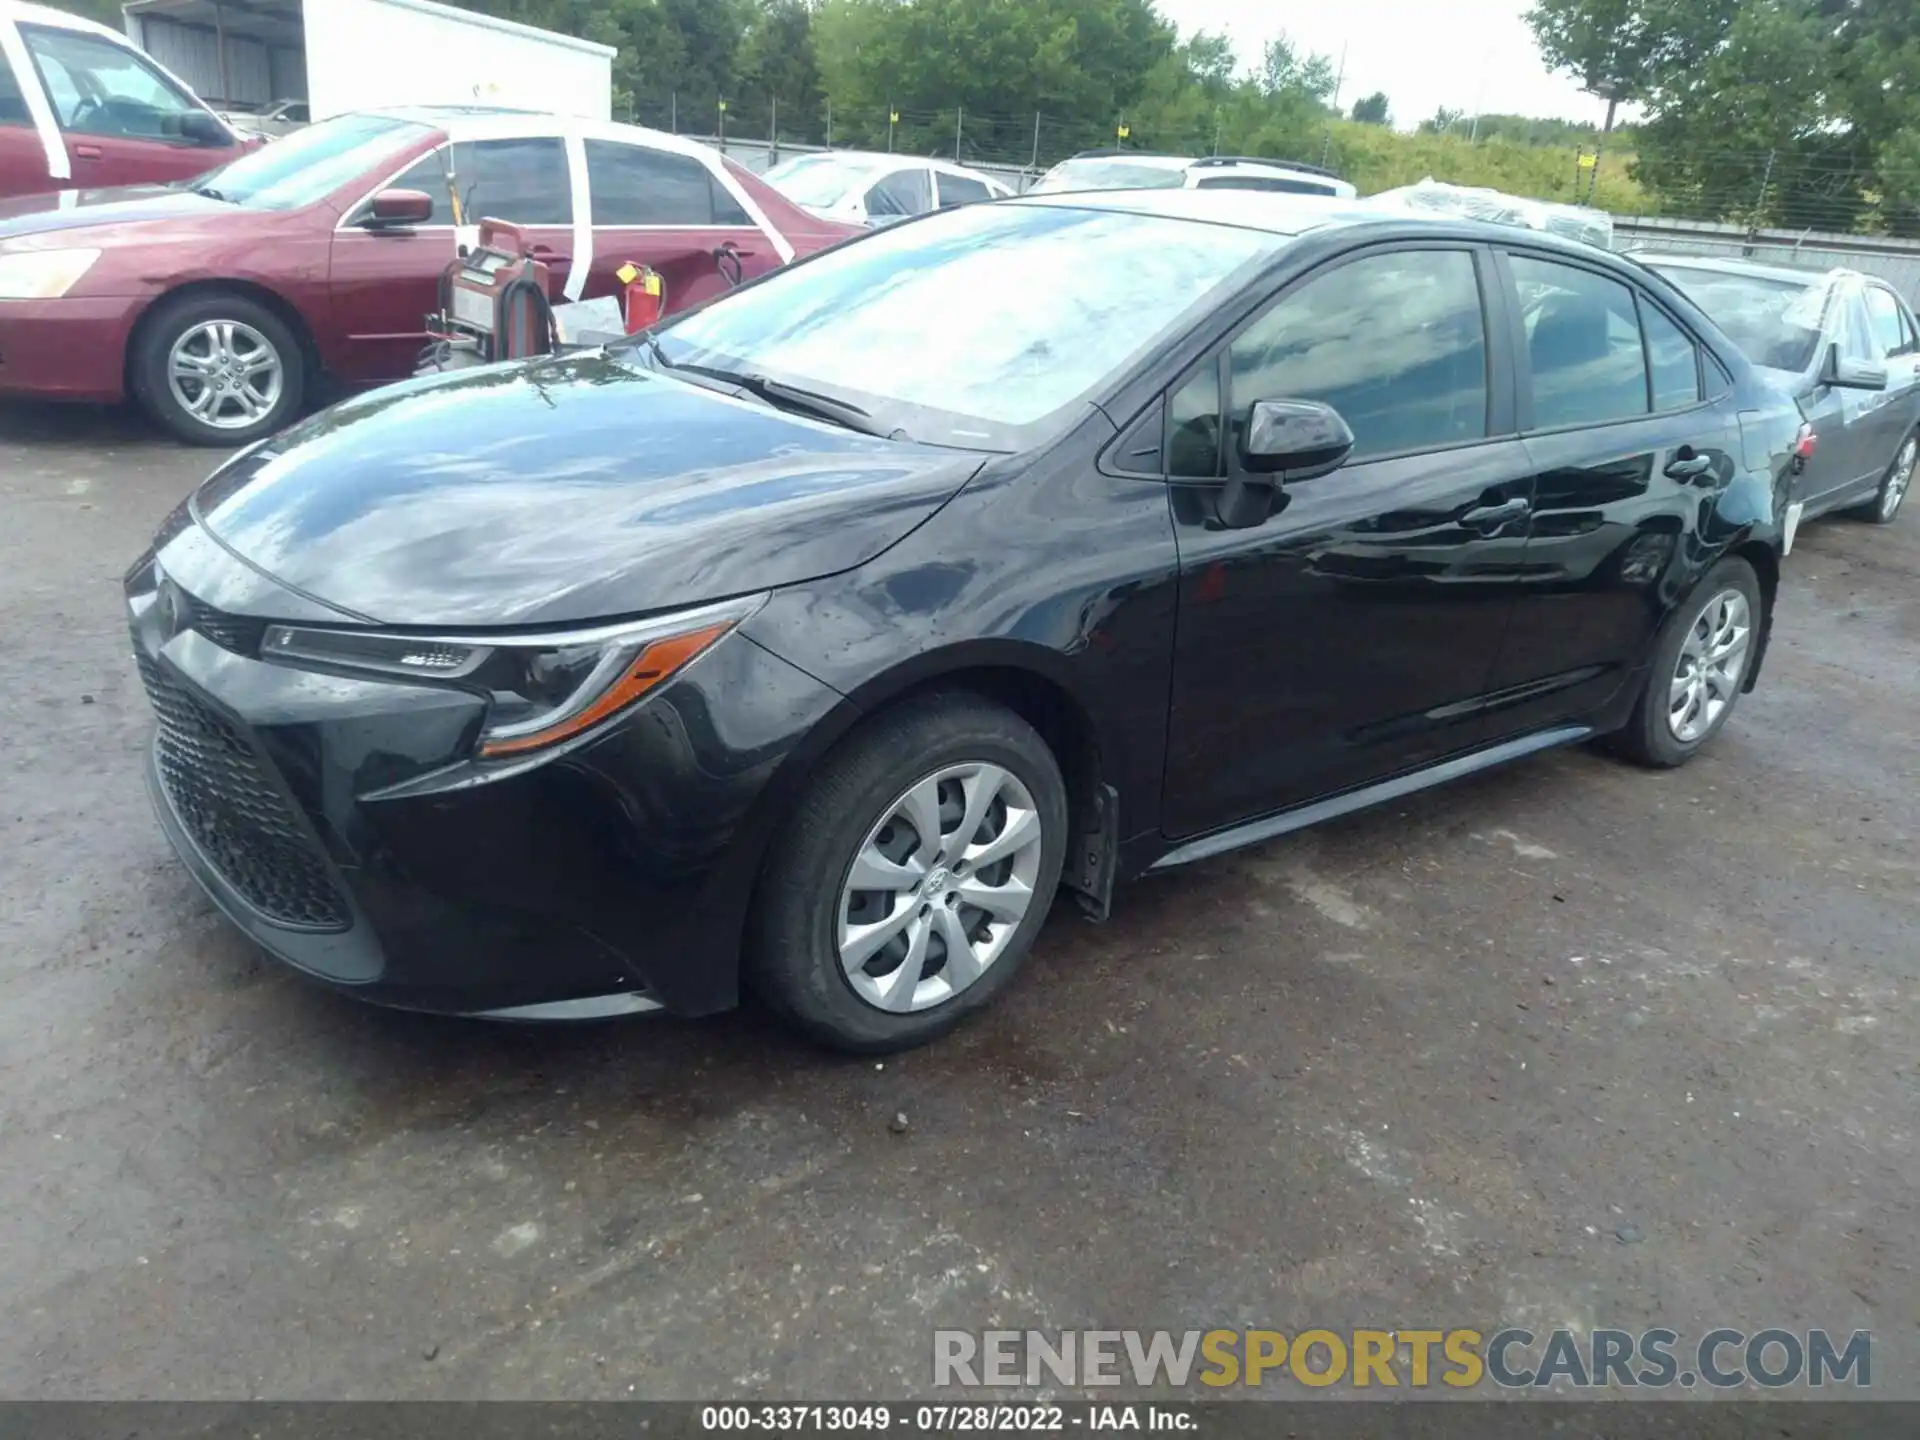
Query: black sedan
[[813, 642], [1845, 346]]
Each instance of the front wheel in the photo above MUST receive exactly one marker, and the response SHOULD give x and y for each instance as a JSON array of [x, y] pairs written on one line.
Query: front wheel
[[909, 885], [1699, 664], [218, 369], [1894, 484]]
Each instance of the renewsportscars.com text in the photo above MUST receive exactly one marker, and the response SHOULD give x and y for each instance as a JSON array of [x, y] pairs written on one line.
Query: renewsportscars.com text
[[1655, 1359]]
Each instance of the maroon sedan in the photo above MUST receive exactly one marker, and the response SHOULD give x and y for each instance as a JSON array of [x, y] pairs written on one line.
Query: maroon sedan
[[219, 302]]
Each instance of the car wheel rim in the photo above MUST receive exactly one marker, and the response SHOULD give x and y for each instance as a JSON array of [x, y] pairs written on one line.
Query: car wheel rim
[[225, 374], [937, 889], [1900, 479], [1713, 660]]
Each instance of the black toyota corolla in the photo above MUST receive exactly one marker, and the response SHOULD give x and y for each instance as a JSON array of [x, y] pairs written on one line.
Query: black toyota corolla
[[815, 641]]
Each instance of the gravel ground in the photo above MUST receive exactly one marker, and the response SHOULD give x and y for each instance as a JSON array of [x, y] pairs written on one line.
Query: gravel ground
[[1566, 1044]]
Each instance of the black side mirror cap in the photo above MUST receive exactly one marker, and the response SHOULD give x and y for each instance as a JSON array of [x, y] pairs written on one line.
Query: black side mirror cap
[[203, 129], [1294, 439]]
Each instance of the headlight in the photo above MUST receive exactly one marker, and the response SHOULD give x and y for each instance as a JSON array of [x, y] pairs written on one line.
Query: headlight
[[545, 688], [43, 274]]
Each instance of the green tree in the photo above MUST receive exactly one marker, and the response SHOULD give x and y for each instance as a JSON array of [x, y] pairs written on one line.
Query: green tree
[[1372, 109]]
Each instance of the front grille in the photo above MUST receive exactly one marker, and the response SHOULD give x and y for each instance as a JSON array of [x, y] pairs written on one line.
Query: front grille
[[228, 802], [241, 633]]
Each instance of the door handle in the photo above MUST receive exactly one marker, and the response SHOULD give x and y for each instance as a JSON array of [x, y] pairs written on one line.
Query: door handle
[[1688, 466], [88, 152], [1488, 518]]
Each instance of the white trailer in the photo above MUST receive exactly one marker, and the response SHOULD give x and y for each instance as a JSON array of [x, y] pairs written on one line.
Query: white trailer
[[341, 55]]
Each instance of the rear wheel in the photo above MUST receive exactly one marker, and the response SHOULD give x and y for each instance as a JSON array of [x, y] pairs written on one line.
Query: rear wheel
[[218, 369], [908, 887], [1699, 664], [1893, 485]]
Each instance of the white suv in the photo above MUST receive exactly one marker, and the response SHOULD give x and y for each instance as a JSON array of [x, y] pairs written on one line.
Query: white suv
[[1131, 170]]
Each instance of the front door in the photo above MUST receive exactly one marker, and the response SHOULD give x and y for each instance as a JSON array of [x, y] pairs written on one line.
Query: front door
[[671, 212], [1352, 634], [1629, 436], [384, 283], [122, 121]]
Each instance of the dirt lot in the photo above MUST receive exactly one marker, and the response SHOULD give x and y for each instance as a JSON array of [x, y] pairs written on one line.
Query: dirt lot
[[1567, 1044]]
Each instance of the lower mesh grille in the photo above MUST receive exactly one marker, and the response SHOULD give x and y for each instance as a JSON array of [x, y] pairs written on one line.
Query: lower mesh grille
[[228, 802]]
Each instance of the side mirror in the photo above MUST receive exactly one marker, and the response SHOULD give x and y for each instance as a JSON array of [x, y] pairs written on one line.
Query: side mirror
[[1295, 439], [202, 128], [392, 208], [1284, 440], [1847, 374]]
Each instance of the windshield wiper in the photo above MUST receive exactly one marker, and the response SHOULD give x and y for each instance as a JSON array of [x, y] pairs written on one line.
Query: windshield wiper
[[213, 194], [779, 394]]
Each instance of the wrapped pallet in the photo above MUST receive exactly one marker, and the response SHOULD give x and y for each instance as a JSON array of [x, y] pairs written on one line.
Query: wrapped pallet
[[1472, 202]]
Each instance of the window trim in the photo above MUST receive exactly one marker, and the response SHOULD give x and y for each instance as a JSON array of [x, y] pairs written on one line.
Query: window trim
[[188, 101], [1523, 374], [1498, 414]]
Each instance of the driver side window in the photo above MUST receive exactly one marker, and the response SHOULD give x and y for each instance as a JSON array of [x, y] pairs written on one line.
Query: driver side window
[[1395, 342], [100, 88]]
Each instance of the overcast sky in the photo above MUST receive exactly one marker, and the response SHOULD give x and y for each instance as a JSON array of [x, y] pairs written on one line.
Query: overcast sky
[[1469, 54]]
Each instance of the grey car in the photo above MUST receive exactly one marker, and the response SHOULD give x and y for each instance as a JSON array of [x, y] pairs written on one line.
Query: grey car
[[1846, 346]]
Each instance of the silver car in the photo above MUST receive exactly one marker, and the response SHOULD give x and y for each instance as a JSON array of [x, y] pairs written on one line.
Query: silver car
[[1847, 347]]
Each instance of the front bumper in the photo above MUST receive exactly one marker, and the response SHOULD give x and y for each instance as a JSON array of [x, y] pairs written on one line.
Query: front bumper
[[69, 349], [338, 822]]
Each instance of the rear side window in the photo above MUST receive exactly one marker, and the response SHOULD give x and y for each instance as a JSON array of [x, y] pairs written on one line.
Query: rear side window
[[1890, 325], [1583, 344], [959, 190], [634, 185], [522, 181], [13, 104], [1670, 360], [100, 88], [905, 192], [1395, 342]]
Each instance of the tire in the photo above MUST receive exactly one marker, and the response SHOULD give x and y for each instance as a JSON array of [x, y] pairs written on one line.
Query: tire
[[1660, 734], [1894, 485], [218, 334], [953, 745]]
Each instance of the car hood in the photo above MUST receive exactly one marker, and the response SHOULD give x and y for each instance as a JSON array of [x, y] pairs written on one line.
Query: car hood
[[576, 488], [31, 215]]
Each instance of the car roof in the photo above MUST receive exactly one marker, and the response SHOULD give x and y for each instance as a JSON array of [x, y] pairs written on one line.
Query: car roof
[[1729, 265], [494, 122], [877, 161], [1274, 212]]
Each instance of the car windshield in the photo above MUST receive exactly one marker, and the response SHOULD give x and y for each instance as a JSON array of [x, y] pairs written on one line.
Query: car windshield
[[978, 326], [311, 164], [1775, 322], [1109, 175], [820, 180]]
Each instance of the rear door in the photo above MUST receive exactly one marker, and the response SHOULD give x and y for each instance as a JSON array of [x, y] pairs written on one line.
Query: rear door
[[23, 155], [671, 212], [1629, 433], [121, 119]]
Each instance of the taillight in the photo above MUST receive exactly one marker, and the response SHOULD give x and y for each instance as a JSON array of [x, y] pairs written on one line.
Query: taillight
[[1803, 446]]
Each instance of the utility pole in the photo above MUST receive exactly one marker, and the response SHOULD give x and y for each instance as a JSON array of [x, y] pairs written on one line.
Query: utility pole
[[1034, 164], [773, 128], [829, 124], [1760, 206], [723, 127], [1340, 80], [673, 112], [959, 114], [893, 119]]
